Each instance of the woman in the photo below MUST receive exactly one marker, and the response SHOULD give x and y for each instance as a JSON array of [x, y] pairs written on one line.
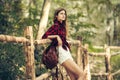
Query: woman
[[57, 33]]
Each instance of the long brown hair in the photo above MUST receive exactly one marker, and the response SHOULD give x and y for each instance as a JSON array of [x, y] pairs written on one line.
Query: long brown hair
[[65, 21]]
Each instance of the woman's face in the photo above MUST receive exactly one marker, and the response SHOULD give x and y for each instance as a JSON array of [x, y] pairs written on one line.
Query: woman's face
[[61, 16]]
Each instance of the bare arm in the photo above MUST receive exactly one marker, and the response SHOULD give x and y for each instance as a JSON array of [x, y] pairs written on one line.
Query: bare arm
[[58, 38]]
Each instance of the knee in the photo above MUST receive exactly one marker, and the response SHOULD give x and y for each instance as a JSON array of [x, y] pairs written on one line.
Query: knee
[[81, 76]]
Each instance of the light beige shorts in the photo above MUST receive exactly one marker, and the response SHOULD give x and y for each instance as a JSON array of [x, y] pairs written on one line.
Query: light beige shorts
[[63, 54]]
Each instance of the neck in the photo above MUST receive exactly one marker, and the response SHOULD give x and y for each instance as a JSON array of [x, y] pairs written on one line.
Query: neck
[[60, 21]]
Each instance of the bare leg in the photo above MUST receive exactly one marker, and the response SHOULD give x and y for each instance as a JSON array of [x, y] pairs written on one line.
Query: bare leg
[[71, 75], [73, 68]]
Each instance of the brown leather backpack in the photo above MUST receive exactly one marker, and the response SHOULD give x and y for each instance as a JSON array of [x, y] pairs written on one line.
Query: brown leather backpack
[[50, 57]]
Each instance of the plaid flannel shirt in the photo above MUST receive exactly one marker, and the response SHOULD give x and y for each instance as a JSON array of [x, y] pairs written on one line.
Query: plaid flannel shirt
[[57, 29]]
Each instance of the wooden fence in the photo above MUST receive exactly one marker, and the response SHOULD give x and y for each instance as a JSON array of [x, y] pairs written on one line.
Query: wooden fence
[[107, 54], [82, 62], [28, 43], [82, 55], [27, 40]]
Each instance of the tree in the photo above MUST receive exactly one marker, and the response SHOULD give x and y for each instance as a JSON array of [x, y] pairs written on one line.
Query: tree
[[44, 18]]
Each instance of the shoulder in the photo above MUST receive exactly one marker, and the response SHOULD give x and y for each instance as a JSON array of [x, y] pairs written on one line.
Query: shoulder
[[56, 25]]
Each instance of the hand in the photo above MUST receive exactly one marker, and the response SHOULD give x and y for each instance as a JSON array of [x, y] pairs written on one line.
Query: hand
[[58, 38]]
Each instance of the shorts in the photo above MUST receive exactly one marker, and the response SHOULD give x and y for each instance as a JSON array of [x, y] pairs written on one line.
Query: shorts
[[64, 54]]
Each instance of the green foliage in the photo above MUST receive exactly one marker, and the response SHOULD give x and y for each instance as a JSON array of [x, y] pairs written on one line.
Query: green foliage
[[11, 60], [82, 29], [38, 55], [10, 15], [117, 10], [115, 60], [40, 71], [92, 49], [11, 55]]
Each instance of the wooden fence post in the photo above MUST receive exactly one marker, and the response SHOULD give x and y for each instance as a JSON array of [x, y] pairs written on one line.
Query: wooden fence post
[[107, 62], [29, 54], [79, 53], [86, 65]]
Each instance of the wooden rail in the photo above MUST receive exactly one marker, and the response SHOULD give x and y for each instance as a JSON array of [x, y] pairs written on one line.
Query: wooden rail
[[28, 48], [7, 38], [105, 74], [107, 56]]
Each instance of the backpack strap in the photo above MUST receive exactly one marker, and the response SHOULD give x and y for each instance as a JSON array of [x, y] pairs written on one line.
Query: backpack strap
[[56, 74]]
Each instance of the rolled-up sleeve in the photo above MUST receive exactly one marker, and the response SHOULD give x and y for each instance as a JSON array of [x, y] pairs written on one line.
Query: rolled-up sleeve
[[53, 30]]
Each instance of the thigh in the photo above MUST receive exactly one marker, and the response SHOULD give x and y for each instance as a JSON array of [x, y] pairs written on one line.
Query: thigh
[[63, 55], [72, 67], [71, 75]]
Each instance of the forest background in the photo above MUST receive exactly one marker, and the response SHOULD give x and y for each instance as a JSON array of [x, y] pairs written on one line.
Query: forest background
[[96, 21]]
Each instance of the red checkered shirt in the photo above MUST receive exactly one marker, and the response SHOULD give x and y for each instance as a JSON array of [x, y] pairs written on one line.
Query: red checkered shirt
[[57, 29]]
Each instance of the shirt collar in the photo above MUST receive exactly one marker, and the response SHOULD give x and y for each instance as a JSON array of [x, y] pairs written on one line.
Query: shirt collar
[[59, 23]]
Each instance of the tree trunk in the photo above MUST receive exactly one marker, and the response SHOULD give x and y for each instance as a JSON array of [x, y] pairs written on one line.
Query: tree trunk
[[26, 8], [110, 28], [44, 18]]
